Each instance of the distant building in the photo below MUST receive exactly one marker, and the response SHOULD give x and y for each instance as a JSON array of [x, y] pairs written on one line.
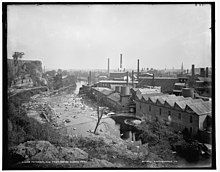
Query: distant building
[[166, 83], [113, 83], [119, 101], [119, 76]]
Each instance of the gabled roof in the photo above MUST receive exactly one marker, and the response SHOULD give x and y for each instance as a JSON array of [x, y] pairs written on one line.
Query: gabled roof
[[107, 92], [162, 99], [200, 108], [182, 103], [171, 100], [146, 96], [103, 90], [148, 90], [115, 97], [139, 96]]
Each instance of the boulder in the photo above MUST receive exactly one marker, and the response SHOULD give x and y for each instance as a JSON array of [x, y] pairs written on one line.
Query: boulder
[[31, 148], [45, 156], [72, 154]]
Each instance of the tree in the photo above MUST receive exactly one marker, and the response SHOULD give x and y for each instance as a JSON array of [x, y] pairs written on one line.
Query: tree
[[100, 114]]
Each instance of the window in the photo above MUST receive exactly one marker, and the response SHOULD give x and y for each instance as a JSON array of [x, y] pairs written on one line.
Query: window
[[169, 113], [149, 108], [179, 116], [160, 111], [191, 119], [140, 105]]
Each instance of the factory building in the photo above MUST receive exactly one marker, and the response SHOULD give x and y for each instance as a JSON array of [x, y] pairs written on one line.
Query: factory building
[[112, 83], [176, 111], [166, 83], [118, 99]]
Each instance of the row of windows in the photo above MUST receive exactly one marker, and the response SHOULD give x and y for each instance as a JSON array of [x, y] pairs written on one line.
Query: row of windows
[[169, 113]]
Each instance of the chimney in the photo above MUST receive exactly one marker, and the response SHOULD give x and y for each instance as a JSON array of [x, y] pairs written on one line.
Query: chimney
[[108, 65], [193, 70], [207, 72], [138, 70], [90, 77], [88, 80], [127, 78], [120, 61], [153, 80], [132, 78]]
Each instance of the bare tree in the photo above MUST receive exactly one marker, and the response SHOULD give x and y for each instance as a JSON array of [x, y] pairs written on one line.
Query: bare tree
[[100, 114]]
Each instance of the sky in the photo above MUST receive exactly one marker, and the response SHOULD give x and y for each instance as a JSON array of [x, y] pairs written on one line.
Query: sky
[[85, 36]]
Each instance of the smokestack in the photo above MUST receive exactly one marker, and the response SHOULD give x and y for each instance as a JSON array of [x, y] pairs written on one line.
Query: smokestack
[[193, 70], [127, 78], [138, 70], [120, 61], [132, 78], [153, 80], [108, 65], [207, 72], [90, 77]]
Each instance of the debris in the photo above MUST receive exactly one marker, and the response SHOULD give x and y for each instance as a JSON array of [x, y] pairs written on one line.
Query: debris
[[67, 120]]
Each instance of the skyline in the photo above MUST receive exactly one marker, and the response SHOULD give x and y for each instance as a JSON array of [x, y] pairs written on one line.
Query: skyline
[[85, 36]]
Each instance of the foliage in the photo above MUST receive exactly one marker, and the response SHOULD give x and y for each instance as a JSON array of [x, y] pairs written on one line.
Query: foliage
[[25, 128]]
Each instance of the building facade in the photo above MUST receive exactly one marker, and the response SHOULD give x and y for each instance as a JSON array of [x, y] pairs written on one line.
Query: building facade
[[176, 111]]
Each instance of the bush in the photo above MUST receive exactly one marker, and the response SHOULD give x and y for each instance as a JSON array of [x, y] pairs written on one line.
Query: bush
[[191, 151]]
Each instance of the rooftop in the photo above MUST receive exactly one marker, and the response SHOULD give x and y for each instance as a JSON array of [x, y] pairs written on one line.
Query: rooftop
[[159, 78], [146, 96], [103, 90], [200, 108], [115, 97]]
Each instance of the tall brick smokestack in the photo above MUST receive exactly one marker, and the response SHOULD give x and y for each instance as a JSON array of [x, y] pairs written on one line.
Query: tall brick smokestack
[[108, 65], [127, 78], [207, 72], [138, 69], [132, 78], [193, 70], [121, 61], [90, 77]]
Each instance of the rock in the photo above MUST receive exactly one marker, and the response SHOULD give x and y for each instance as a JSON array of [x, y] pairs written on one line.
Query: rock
[[97, 163], [23, 151], [31, 148], [71, 154], [45, 156], [144, 149]]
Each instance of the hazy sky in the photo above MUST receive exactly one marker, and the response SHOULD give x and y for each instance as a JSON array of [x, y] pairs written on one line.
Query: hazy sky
[[84, 36]]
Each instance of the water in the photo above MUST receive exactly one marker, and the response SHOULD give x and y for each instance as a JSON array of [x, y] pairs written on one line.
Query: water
[[127, 132]]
